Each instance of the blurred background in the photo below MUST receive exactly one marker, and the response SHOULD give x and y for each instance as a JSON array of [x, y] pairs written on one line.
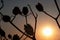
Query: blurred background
[[43, 20]]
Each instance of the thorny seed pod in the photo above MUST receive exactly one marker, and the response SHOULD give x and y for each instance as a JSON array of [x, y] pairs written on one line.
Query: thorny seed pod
[[28, 29], [9, 36], [16, 37], [25, 10], [6, 18], [39, 7], [16, 11]]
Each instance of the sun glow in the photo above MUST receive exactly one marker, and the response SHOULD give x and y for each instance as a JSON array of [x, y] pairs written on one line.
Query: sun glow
[[47, 31]]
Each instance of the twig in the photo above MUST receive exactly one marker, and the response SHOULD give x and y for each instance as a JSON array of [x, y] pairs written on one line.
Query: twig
[[31, 10], [57, 23], [13, 18], [57, 8], [25, 38], [35, 20], [2, 4], [17, 28], [48, 14], [21, 36], [26, 19]]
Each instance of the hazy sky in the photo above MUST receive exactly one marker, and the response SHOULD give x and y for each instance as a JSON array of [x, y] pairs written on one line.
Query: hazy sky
[[43, 19]]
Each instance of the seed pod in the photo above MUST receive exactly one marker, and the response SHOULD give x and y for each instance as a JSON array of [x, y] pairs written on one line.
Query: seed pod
[[16, 11], [9, 36], [2, 33], [25, 10], [28, 29], [6, 18], [16, 37], [39, 7]]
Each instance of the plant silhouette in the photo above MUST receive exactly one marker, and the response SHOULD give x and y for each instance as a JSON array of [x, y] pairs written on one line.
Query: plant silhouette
[[10, 36], [29, 31], [39, 7], [2, 33], [16, 11], [25, 10], [6, 18], [16, 37]]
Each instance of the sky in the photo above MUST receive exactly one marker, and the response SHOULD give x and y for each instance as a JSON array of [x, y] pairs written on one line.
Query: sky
[[43, 20]]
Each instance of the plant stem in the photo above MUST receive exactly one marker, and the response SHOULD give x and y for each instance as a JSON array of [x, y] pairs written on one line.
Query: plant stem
[[35, 22], [26, 19], [19, 30], [21, 36], [25, 38]]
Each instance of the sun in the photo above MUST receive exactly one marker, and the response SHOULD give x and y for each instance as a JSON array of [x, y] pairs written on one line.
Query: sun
[[47, 31]]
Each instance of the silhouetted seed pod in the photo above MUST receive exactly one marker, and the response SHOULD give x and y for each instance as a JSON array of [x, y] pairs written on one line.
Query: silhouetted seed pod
[[16, 37], [9, 36], [28, 29], [2, 33], [39, 7], [6, 18], [16, 11], [25, 10]]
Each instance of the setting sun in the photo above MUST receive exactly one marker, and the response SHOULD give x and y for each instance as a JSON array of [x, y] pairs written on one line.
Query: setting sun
[[47, 31]]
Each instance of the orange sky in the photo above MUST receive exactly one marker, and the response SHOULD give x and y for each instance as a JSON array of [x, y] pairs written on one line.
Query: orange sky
[[47, 23], [43, 20]]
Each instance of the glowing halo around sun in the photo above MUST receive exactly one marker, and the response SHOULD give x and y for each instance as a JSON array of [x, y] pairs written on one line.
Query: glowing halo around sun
[[47, 31]]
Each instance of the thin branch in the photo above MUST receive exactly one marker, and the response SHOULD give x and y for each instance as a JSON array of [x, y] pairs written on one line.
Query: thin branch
[[57, 8], [48, 14], [35, 20], [21, 36], [2, 4], [33, 15], [57, 23], [56, 5], [25, 38], [13, 18], [58, 14], [31, 10], [19, 30], [26, 19], [53, 18]]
